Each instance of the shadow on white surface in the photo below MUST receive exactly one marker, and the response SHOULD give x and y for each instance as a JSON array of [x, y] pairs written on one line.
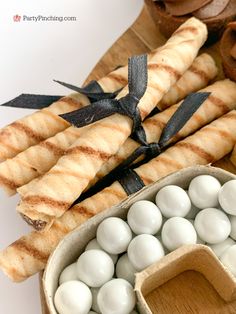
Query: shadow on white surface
[[32, 55]]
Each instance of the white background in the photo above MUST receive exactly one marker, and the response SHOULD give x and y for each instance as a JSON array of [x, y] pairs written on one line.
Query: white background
[[31, 56]]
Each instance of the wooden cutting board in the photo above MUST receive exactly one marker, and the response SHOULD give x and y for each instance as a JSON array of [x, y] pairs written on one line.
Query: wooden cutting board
[[142, 37]]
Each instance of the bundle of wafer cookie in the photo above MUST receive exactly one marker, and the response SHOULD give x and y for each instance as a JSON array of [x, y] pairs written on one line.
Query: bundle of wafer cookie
[[51, 162]]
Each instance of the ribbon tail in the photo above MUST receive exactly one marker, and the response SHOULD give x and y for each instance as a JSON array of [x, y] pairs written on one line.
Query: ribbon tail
[[31, 101], [181, 116], [93, 90]]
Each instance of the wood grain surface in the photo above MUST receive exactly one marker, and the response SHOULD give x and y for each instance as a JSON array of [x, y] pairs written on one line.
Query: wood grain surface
[[189, 292]]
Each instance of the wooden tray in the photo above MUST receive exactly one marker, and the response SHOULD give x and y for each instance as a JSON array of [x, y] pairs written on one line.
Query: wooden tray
[[142, 37]]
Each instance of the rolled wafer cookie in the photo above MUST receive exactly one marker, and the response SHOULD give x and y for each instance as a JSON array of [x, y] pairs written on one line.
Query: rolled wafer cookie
[[29, 254], [196, 77], [84, 158], [34, 128], [38, 159], [218, 103]]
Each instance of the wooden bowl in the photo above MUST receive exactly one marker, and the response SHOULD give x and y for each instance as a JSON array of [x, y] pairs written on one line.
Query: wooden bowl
[[194, 269], [168, 23]]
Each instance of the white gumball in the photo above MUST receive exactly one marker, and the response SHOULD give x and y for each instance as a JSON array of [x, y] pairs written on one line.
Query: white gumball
[[212, 225], [94, 245], [227, 197], [203, 191], [228, 258], [144, 217], [233, 227], [68, 274], [95, 267], [178, 231], [73, 297], [144, 250], [173, 201], [116, 297], [125, 270], [95, 306], [221, 247], [114, 235]]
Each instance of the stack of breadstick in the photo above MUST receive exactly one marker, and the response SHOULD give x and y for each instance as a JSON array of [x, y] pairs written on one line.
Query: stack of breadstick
[[50, 163]]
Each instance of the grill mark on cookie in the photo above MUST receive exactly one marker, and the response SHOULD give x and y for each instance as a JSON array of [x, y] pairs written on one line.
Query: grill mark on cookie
[[218, 103], [37, 199], [22, 246], [82, 210], [71, 102], [55, 149], [27, 130], [113, 191], [202, 74], [118, 78], [8, 183], [191, 29], [9, 148], [156, 123], [224, 134], [196, 150], [88, 151], [167, 68], [114, 126], [70, 173]]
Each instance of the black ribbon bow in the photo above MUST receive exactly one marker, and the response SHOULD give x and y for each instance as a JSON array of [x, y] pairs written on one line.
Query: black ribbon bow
[[127, 105], [128, 178]]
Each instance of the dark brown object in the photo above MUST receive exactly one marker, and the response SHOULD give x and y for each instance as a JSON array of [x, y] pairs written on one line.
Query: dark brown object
[[226, 44], [212, 9], [178, 8], [168, 23]]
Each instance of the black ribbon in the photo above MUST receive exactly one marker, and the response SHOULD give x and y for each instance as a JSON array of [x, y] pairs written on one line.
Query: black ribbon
[[137, 82], [31, 101], [92, 90], [129, 180]]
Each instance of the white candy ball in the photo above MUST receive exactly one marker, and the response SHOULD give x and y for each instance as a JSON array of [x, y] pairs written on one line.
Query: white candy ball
[[228, 258], [68, 274], [144, 217], [227, 197], [221, 247], [176, 232], [144, 250], [95, 306], [125, 270], [114, 235], [233, 227], [116, 297], [203, 191], [73, 297], [95, 267], [173, 201], [92, 312], [94, 245], [212, 225]]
